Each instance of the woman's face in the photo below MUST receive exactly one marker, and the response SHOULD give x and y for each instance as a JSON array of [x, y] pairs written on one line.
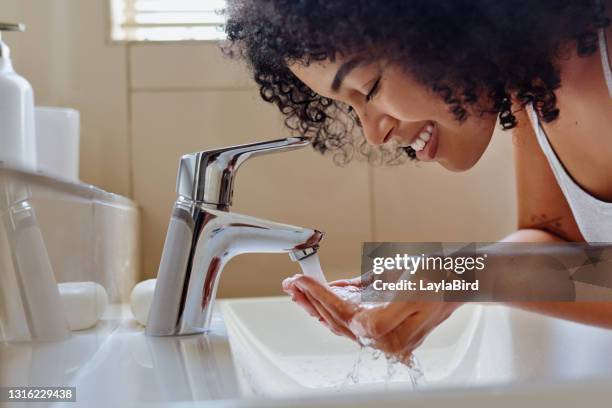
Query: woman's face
[[392, 105]]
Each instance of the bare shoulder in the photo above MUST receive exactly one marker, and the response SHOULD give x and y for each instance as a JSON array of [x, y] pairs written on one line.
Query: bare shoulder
[[540, 201]]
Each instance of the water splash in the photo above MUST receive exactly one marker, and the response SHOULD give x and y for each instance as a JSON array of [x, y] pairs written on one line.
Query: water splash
[[395, 369], [353, 375], [412, 368], [416, 371]]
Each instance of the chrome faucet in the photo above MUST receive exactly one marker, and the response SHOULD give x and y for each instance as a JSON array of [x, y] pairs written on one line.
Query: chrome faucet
[[203, 236]]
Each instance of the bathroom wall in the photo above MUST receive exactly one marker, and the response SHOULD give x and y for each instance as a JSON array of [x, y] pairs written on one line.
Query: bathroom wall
[[143, 105]]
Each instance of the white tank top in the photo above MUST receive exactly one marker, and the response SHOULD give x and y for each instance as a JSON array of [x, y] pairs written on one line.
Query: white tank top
[[593, 216]]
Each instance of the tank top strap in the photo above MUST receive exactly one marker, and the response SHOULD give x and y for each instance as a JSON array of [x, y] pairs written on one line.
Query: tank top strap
[[562, 176], [593, 216]]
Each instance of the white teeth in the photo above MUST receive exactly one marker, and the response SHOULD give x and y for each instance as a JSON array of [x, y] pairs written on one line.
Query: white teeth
[[422, 139], [425, 136]]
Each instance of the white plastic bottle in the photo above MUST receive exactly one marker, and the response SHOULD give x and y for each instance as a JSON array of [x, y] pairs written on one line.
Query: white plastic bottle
[[17, 133]]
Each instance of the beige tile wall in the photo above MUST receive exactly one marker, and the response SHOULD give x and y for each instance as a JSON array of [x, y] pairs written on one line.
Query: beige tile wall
[[143, 105], [424, 202]]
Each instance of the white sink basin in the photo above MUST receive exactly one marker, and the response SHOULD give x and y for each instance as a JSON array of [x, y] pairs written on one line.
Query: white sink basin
[[282, 351]]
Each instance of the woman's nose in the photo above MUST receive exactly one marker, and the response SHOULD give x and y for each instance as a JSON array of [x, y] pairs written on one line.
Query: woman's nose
[[377, 128]]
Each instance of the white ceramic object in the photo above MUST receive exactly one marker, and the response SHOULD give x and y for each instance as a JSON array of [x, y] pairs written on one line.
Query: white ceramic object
[[30, 303], [57, 141], [17, 132], [115, 365], [285, 352], [141, 298], [55, 231], [84, 303]]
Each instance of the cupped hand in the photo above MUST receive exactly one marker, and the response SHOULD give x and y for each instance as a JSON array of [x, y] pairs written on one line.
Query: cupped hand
[[396, 328], [343, 288]]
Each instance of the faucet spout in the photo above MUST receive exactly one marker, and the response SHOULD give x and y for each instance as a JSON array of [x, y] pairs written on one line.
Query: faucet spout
[[200, 241]]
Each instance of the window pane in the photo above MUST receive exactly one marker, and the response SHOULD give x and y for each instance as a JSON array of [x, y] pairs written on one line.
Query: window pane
[[167, 20]]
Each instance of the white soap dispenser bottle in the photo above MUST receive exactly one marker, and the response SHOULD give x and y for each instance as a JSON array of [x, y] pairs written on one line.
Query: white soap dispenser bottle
[[17, 133]]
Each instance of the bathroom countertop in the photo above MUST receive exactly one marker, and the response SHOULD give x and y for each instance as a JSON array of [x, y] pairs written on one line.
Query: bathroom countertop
[[115, 364]]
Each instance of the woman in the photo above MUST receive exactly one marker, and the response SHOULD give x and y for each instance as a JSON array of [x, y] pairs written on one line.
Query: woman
[[432, 78]]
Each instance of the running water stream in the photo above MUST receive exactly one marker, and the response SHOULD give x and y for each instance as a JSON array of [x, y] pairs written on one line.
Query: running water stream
[[312, 267]]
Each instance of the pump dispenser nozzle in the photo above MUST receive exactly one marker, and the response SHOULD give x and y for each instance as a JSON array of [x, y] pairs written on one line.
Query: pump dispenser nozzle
[[4, 50]]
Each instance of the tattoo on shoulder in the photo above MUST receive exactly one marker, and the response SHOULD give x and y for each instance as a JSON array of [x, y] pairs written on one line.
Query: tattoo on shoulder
[[553, 225]]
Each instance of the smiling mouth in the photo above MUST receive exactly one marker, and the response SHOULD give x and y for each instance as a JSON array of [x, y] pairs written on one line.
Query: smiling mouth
[[423, 145], [422, 137]]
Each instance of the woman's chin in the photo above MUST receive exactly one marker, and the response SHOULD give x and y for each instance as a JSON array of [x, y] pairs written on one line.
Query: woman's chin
[[458, 165]]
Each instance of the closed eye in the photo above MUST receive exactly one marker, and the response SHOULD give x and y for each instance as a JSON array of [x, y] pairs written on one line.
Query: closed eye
[[374, 89]]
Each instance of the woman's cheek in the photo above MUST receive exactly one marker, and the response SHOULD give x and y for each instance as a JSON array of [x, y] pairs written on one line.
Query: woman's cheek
[[404, 110]]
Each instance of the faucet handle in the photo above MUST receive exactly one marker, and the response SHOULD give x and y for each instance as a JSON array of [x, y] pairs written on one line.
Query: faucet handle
[[208, 176]]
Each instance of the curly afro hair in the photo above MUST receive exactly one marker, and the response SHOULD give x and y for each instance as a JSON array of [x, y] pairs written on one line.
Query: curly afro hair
[[461, 49]]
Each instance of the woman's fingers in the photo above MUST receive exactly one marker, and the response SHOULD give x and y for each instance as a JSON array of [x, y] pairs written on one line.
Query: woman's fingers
[[347, 282], [298, 297], [358, 281], [337, 327], [340, 309], [314, 307], [304, 302]]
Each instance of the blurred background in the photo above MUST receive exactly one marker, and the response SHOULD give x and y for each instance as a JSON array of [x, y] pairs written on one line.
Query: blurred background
[[151, 84]]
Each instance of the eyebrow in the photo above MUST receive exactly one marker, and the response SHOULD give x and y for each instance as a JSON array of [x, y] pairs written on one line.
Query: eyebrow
[[343, 71]]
